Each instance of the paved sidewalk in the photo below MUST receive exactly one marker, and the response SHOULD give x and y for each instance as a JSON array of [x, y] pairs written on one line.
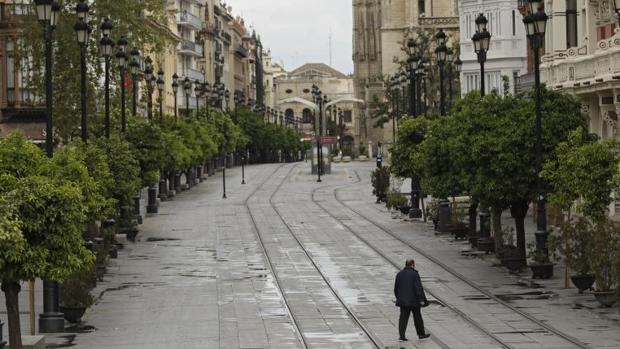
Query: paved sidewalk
[[577, 315]]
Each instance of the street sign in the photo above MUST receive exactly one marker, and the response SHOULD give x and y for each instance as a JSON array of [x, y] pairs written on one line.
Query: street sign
[[328, 139]]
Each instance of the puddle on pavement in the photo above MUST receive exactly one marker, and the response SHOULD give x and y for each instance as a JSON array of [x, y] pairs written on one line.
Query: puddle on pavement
[[80, 328], [69, 342], [155, 239], [509, 297]]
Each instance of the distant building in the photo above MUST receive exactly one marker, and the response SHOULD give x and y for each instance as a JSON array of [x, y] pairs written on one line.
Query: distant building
[[379, 30], [507, 55], [335, 85]]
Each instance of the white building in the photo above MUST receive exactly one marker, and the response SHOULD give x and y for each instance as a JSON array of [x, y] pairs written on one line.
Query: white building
[[507, 55]]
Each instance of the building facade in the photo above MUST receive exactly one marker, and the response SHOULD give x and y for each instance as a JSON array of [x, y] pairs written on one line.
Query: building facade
[[507, 55], [379, 30], [335, 85]]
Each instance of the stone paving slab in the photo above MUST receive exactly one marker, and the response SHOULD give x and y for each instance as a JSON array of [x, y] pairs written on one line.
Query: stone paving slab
[[588, 323]]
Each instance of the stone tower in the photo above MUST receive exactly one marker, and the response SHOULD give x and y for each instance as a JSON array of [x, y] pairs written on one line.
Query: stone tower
[[379, 28]]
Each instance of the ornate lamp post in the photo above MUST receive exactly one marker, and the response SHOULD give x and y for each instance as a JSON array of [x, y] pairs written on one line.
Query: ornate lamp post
[[413, 60], [319, 99], [175, 90], [206, 90], [161, 84], [458, 66], [187, 88], [198, 91], [535, 25], [442, 52], [106, 51], [121, 56], [134, 66], [481, 41], [148, 75], [227, 100], [48, 12], [82, 31], [450, 60]]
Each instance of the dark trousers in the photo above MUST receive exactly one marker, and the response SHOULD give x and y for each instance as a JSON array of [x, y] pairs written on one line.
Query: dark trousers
[[404, 320]]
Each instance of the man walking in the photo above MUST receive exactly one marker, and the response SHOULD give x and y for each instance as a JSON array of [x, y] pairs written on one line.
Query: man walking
[[410, 298]]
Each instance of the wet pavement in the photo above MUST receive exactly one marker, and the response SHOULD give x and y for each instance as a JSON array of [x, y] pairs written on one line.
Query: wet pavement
[[286, 262]]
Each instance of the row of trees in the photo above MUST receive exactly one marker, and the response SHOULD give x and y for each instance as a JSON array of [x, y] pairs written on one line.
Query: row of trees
[[485, 149], [50, 207]]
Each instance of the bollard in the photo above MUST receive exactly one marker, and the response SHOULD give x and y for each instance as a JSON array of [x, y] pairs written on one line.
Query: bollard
[[171, 189], [379, 161], [163, 189], [445, 216], [152, 206], [136, 208]]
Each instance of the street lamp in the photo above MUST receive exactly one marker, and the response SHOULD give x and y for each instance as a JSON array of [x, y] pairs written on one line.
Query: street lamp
[[148, 75], [413, 61], [535, 25], [187, 88], [198, 91], [48, 11], [206, 90], [175, 90], [106, 51], [161, 84], [450, 61], [319, 99], [121, 56], [134, 66], [227, 99], [82, 31], [442, 53], [481, 41]]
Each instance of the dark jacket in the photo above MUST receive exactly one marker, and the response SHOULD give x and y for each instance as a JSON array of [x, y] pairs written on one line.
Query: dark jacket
[[408, 288]]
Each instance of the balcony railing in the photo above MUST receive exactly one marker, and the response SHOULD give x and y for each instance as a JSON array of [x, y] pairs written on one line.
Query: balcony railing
[[577, 68], [190, 48], [190, 20], [241, 51], [192, 74]]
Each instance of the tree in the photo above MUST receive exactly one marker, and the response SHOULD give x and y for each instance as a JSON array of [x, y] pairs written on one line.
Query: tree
[[42, 231], [143, 22]]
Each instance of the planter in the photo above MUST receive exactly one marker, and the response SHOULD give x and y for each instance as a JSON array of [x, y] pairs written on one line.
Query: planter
[[486, 245], [113, 252], [435, 224], [606, 298], [100, 270], [460, 231], [513, 264], [542, 271], [404, 209], [582, 282], [2, 343], [73, 314]]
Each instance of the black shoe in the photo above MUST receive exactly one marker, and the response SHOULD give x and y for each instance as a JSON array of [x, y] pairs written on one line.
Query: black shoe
[[424, 336], [403, 339]]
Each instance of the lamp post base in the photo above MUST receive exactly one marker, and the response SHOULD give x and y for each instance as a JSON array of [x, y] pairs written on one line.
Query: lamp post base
[[51, 323], [152, 206], [415, 213]]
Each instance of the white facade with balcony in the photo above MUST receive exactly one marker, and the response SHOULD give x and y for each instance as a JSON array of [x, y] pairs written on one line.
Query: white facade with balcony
[[582, 57], [507, 55], [189, 23]]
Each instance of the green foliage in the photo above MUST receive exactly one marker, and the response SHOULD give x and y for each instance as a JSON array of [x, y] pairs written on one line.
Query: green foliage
[[123, 166], [604, 254], [584, 169], [395, 200], [577, 237], [406, 154], [20, 157], [380, 179], [90, 174], [13, 245], [147, 141], [75, 290], [539, 257], [145, 20]]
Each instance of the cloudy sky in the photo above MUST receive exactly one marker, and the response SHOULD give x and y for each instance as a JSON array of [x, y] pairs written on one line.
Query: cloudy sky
[[297, 31]]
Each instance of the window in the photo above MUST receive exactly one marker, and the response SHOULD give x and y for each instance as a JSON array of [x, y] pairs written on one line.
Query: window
[[514, 25], [515, 81], [571, 23], [10, 73], [421, 8], [348, 116], [307, 116]]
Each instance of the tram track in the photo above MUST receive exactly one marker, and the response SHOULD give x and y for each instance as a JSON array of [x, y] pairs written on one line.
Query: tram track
[[569, 339], [304, 342]]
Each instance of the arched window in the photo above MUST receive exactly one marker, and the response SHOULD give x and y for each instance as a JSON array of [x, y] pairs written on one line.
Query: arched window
[[307, 117], [290, 114]]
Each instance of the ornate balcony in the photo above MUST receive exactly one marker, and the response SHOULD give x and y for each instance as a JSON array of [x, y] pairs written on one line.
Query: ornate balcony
[[187, 19], [192, 74], [190, 48], [578, 69]]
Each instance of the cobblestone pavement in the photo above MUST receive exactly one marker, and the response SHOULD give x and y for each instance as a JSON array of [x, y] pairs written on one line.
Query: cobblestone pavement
[[286, 262]]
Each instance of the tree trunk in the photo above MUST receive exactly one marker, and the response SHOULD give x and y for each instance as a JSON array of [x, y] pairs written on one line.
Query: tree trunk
[[11, 292], [518, 210], [496, 223], [473, 216]]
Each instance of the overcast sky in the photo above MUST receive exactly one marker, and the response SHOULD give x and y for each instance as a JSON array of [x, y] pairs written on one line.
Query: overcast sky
[[297, 31]]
